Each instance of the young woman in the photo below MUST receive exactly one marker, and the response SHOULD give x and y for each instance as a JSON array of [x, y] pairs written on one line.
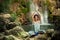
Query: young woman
[[36, 22]]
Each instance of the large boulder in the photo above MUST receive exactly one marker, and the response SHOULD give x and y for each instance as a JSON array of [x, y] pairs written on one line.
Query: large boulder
[[50, 32], [17, 31], [6, 15], [11, 37]]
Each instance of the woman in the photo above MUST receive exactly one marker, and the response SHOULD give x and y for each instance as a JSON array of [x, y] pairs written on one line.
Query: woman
[[36, 22]]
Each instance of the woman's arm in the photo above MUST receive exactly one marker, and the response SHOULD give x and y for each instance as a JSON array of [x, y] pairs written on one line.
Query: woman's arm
[[33, 17]]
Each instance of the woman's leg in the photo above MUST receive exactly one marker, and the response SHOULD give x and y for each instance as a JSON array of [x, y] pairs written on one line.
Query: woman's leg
[[37, 27]]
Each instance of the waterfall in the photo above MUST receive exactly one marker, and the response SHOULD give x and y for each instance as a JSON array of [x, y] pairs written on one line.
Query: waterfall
[[34, 9], [46, 17]]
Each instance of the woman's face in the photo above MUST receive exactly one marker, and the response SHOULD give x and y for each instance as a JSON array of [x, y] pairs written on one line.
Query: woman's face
[[36, 18]]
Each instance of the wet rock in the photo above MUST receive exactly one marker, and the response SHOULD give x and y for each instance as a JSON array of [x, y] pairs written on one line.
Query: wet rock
[[18, 31], [11, 25], [5, 23], [14, 31], [49, 32]]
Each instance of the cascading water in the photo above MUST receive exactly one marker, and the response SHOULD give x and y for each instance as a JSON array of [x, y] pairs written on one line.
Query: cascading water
[[34, 9], [45, 16]]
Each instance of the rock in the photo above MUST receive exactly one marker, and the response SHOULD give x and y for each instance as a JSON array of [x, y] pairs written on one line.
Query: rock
[[56, 36], [18, 31], [5, 24], [15, 38], [15, 30], [11, 25], [6, 15], [11, 37], [2, 24], [49, 32], [42, 37], [24, 34], [1, 36]]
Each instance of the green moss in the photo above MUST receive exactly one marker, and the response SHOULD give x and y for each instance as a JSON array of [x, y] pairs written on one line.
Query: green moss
[[13, 16], [24, 6]]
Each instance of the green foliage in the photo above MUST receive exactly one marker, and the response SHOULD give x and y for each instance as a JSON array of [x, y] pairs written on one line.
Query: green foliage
[[24, 6], [4, 6], [13, 16]]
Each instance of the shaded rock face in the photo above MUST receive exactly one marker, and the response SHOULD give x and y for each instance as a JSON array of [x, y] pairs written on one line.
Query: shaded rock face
[[4, 18], [56, 22], [5, 23], [9, 29], [58, 4], [14, 34], [56, 36], [50, 32], [16, 30], [1, 21], [11, 25]]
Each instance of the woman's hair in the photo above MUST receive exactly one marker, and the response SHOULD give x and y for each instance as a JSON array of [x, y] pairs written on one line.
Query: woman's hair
[[37, 16]]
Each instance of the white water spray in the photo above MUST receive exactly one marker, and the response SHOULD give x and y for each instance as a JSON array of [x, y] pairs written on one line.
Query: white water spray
[[34, 9]]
